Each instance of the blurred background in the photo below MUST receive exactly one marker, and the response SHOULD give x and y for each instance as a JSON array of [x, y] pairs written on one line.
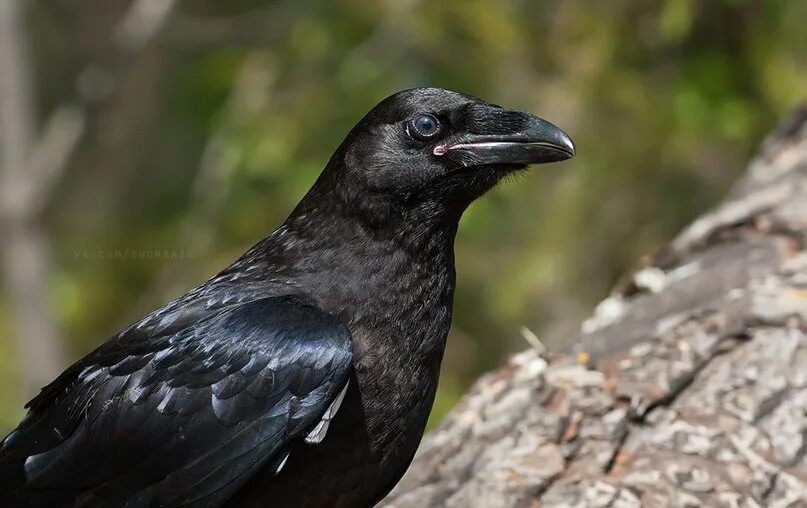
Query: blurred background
[[146, 144]]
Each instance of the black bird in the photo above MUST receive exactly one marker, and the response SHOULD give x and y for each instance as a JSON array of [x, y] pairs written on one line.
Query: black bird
[[303, 374]]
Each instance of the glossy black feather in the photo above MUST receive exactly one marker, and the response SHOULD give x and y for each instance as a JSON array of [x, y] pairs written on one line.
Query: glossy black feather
[[178, 417]]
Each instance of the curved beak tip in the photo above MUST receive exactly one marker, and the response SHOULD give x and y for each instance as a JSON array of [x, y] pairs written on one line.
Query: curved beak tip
[[566, 144]]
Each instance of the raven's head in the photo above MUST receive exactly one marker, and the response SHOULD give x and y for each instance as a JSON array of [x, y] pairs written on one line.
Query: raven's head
[[429, 148]]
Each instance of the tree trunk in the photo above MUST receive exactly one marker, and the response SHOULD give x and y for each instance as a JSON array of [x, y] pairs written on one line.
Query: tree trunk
[[688, 386], [24, 250], [31, 164]]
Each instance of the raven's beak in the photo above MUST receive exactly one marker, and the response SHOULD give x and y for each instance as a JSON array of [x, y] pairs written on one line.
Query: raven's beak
[[519, 139]]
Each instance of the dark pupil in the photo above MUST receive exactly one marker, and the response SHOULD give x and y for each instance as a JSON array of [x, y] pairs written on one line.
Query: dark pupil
[[426, 125]]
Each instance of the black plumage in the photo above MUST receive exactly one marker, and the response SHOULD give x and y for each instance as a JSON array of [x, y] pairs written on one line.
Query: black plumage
[[303, 374]]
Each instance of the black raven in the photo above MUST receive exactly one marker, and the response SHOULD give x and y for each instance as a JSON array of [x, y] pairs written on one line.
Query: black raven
[[303, 374]]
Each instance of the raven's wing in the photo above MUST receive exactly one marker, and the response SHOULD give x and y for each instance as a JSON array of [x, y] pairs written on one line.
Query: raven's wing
[[179, 419]]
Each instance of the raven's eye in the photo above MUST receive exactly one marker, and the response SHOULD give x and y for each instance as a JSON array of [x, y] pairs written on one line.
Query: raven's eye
[[424, 127]]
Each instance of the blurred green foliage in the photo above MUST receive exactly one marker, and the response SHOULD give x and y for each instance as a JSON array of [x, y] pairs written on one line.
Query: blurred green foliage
[[205, 146]]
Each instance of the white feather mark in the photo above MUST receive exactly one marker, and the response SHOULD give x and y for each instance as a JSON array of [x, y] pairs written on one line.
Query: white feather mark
[[318, 433], [282, 463]]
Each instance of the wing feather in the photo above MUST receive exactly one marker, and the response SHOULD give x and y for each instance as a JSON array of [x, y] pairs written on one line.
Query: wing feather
[[177, 418]]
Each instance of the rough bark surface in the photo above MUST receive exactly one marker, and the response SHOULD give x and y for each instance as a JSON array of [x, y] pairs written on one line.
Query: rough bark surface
[[688, 386]]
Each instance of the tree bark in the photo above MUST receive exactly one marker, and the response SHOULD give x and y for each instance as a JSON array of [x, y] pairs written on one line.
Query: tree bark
[[688, 386]]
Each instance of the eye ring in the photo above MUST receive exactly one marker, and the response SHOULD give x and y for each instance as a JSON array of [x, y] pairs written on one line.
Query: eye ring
[[424, 127]]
